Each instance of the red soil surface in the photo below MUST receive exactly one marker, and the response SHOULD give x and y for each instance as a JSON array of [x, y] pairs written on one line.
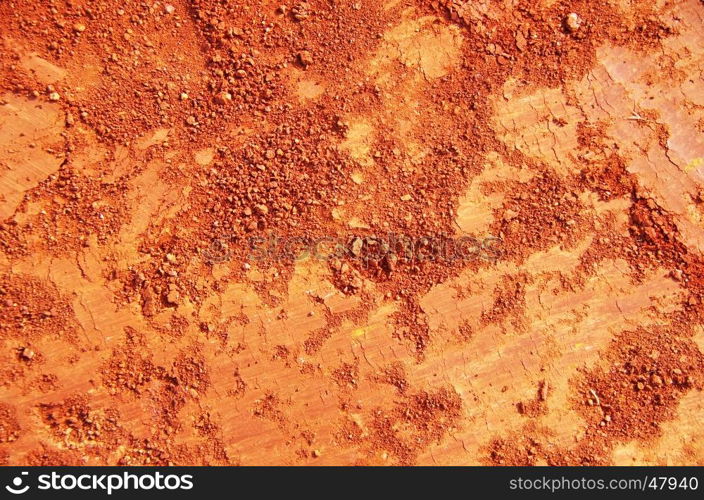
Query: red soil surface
[[149, 152]]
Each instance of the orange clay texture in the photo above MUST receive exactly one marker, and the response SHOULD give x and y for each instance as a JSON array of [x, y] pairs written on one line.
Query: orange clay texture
[[144, 145]]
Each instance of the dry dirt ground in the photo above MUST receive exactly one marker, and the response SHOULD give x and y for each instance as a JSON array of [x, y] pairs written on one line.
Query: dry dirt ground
[[147, 148]]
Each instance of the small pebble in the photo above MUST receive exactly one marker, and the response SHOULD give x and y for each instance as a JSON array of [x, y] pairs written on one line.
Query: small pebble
[[173, 297], [573, 22], [305, 58], [223, 98]]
